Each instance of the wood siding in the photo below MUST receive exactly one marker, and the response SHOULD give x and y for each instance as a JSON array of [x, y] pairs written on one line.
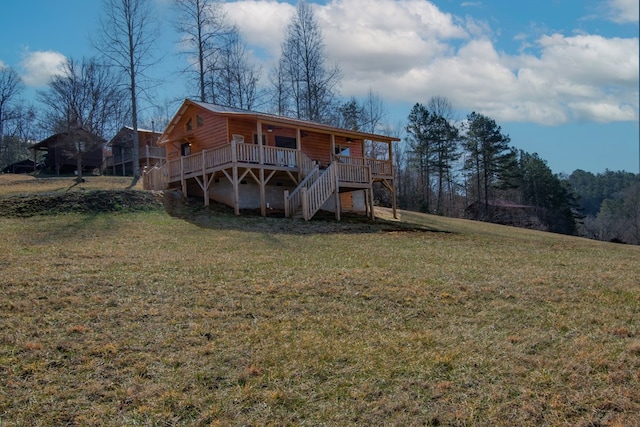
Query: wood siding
[[212, 133]]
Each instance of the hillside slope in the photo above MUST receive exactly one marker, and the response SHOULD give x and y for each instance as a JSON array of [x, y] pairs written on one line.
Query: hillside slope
[[204, 318]]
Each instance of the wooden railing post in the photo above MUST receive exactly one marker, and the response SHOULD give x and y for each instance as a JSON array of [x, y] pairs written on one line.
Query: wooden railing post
[[234, 153], [336, 192]]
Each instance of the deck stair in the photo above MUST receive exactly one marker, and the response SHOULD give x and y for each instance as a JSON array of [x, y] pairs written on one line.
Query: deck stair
[[312, 192]]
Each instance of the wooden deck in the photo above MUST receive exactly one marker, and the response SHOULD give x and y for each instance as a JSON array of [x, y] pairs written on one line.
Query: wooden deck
[[236, 160], [351, 170], [149, 157]]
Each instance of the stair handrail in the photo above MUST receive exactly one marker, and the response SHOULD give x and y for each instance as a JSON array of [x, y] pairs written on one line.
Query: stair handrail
[[319, 192], [294, 199]]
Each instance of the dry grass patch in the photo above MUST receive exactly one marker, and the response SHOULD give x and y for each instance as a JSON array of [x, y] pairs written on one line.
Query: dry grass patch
[[143, 318]]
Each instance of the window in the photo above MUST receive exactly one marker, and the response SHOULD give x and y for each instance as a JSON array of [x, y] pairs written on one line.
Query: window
[[286, 142], [189, 124], [199, 120], [343, 150], [264, 139], [185, 149]]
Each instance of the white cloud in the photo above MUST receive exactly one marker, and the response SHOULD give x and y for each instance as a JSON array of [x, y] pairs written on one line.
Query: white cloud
[[409, 51], [261, 22], [623, 11], [40, 66]]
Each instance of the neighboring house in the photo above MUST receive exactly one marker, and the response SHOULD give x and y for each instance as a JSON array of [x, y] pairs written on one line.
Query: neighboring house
[[298, 168], [505, 213], [24, 166], [120, 162], [61, 152]]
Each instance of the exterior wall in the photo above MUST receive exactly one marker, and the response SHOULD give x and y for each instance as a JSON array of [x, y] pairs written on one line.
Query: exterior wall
[[222, 192], [216, 131], [356, 202], [246, 128], [212, 133]]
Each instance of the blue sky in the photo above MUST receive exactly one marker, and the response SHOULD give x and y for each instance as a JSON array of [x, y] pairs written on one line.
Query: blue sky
[[559, 76]]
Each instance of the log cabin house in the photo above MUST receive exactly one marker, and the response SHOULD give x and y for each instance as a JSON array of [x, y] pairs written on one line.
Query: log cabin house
[[61, 152], [120, 162], [251, 160]]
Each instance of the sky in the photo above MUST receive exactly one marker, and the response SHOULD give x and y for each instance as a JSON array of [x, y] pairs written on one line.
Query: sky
[[559, 76]]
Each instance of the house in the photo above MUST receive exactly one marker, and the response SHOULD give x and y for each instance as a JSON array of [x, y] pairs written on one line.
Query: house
[[24, 166], [297, 168], [505, 213], [120, 162], [61, 152]]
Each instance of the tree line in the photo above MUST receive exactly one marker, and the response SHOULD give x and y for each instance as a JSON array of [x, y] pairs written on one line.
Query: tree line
[[443, 166]]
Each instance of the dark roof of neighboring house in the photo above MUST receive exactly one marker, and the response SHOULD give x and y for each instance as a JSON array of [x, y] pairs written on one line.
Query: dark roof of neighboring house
[[65, 136], [271, 119], [500, 204], [22, 165]]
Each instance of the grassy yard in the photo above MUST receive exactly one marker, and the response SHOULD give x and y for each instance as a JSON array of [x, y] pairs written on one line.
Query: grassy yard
[[144, 318]]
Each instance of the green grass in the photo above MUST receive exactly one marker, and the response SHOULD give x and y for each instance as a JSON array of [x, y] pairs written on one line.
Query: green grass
[[142, 318]]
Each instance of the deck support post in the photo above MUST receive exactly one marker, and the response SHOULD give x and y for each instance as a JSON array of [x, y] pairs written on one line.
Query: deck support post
[[183, 182], [234, 177], [263, 197], [205, 181], [393, 181], [370, 191], [286, 203], [371, 213], [393, 199], [336, 193]]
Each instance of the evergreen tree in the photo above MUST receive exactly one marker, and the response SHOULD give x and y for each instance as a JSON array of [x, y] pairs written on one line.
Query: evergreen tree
[[422, 151], [489, 156], [550, 195]]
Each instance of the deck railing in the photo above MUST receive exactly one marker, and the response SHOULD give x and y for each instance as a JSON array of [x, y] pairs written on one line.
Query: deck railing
[[356, 174], [379, 168], [194, 164], [146, 152]]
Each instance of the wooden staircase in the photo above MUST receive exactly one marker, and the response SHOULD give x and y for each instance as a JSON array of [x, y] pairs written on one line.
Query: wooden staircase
[[312, 192]]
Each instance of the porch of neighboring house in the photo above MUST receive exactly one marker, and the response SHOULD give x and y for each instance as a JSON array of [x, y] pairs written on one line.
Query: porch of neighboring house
[[121, 162], [298, 168]]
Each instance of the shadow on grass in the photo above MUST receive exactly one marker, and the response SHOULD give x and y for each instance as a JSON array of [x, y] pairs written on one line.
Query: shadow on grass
[[219, 216]]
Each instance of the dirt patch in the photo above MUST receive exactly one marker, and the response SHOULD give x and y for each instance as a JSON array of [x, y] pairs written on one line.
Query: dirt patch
[[94, 201]]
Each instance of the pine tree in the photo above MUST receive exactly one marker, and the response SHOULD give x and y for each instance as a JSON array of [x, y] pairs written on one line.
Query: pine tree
[[489, 156]]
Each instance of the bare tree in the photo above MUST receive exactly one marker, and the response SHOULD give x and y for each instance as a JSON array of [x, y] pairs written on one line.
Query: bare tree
[[239, 76], [128, 30], [312, 83], [205, 33], [373, 114], [10, 86], [280, 93], [87, 95]]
